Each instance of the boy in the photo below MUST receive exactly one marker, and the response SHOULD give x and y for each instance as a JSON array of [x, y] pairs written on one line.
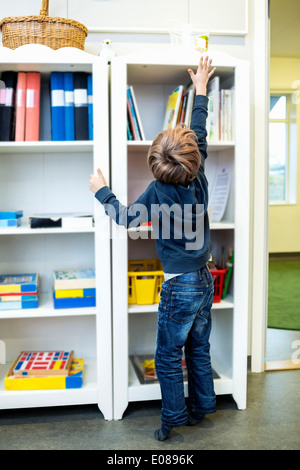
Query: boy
[[176, 159]]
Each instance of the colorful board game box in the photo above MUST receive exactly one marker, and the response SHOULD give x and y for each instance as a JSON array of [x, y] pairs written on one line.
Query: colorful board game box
[[77, 302], [54, 382], [43, 363], [81, 278], [19, 283]]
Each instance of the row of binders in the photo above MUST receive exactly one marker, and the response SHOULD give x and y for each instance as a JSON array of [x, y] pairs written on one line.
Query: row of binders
[[179, 109], [29, 102], [72, 288]]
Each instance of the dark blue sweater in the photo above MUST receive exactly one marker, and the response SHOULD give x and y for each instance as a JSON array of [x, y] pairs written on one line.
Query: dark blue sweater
[[182, 234]]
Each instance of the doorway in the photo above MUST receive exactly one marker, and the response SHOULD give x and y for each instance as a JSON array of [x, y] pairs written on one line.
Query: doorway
[[283, 322]]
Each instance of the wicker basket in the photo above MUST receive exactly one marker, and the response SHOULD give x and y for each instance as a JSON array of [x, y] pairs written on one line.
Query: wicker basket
[[42, 29]]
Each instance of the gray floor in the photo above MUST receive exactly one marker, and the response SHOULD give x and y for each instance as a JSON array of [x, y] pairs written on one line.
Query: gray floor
[[271, 420]]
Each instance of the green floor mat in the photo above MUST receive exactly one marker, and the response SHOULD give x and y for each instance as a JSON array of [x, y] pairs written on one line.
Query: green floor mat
[[284, 295]]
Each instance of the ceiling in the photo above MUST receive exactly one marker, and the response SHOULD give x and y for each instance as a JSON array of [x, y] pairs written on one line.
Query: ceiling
[[285, 28]]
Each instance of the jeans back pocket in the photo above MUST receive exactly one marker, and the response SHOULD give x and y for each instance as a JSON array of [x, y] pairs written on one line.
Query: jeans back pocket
[[185, 305]]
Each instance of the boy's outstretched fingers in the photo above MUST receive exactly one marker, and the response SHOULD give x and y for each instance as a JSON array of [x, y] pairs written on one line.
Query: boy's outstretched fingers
[[211, 72], [101, 177]]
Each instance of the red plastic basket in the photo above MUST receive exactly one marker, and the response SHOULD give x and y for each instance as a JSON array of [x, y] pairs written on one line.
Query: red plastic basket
[[218, 277]]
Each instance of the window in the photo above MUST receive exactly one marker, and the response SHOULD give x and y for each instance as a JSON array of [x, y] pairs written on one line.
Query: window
[[282, 149]]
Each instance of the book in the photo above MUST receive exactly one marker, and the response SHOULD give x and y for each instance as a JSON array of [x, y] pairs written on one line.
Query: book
[[45, 133], [82, 278], [213, 120], [62, 220], [172, 108], [183, 108], [46, 382], [137, 114], [180, 108], [81, 106], [43, 363], [226, 115], [189, 107], [2, 105], [229, 268], [132, 116], [7, 111], [69, 106], [21, 106], [90, 106], [32, 110], [57, 106], [19, 283], [129, 134]]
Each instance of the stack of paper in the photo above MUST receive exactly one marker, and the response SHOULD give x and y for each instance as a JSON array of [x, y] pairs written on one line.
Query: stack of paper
[[65, 220], [74, 288]]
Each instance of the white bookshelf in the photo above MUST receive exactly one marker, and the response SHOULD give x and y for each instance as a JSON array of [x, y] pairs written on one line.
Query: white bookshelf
[[45, 176], [153, 76]]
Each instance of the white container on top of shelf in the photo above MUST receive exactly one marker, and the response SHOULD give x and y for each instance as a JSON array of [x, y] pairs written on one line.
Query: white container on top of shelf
[[52, 177], [153, 75]]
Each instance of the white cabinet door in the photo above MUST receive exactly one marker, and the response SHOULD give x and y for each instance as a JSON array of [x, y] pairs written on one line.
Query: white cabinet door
[[129, 14], [220, 17]]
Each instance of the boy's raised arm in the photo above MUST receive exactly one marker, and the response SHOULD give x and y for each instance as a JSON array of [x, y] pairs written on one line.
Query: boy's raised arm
[[199, 116]]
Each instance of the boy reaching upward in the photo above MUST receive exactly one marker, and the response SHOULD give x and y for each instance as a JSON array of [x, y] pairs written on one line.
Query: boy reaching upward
[[176, 204]]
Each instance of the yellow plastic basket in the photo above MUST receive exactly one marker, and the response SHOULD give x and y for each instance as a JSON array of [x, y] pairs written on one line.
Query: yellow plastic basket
[[145, 278]]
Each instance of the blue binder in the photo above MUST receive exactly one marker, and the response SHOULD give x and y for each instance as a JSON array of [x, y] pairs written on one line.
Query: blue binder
[[57, 106], [81, 106], [69, 105], [90, 107]]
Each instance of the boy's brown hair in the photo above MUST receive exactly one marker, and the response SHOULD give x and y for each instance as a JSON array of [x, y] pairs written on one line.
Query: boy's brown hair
[[174, 157]]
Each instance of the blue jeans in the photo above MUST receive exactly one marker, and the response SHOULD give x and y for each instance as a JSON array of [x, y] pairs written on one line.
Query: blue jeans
[[184, 320]]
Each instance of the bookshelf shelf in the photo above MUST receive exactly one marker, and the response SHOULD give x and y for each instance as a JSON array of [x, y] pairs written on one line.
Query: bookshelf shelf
[[153, 78], [52, 177], [142, 392], [45, 147], [143, 146], [213, 226], [24, 229], [33, 398], [46, 309], [224, 304]]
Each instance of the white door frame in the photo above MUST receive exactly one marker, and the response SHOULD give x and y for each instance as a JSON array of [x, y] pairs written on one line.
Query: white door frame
[[261, 184]]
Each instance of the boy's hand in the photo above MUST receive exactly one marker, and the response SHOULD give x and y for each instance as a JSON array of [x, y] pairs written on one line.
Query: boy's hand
[[202, 75], [97, 182]]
